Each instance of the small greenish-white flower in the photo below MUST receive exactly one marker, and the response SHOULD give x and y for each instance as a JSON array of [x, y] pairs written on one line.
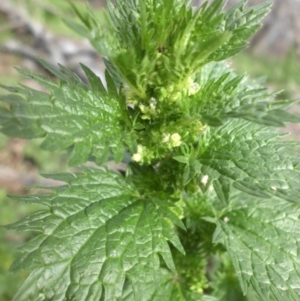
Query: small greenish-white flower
[[149, 111], [138, 157], [143, 108], [153, 102], [204, 180], [163, 93], [166, 138], [190, 81], [226, 219], [175, 96], [194, 88], [143, 155], [175, 140], [131, 98], [170, 89]]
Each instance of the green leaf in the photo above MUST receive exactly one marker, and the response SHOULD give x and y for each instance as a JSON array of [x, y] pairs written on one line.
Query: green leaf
[[243, 23], [113, 72], [222, 188], [97, 239], [118, 151], [186, 175], [78, 28], [86, 19], [181, 159], [72, 114], [262, 239], [94, 80], [252, 159], [224, 95], [169, 289], [111, 87], [80, 153]]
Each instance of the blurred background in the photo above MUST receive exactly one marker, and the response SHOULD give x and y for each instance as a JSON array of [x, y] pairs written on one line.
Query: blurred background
[[30, 28]]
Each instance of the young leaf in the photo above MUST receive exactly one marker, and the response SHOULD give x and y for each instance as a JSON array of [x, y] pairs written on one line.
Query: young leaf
[[163, 42], [242, 23], [95, 236], [223, 95]]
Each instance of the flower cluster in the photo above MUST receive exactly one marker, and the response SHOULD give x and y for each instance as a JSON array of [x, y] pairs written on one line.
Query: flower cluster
[[143, 155], [148, 112], [172, 140], [155, 142]]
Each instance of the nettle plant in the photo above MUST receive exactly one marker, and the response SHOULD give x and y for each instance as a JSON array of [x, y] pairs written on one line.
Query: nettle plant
[[208, 205]]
